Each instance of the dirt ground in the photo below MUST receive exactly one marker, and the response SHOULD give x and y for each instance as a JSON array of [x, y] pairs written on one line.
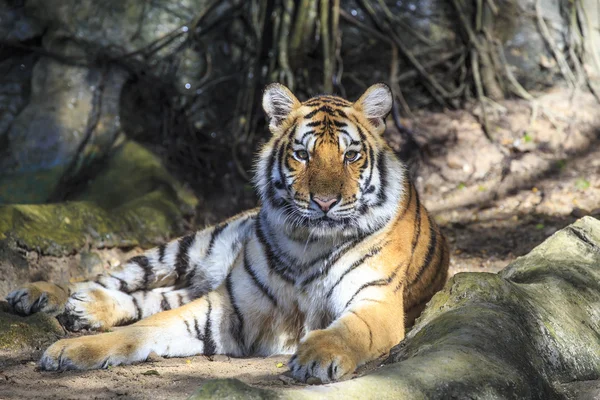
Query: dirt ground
[[495, 202], [174, 378]]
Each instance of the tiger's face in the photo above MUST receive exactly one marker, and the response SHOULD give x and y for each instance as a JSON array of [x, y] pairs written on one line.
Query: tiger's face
[[326, 165]]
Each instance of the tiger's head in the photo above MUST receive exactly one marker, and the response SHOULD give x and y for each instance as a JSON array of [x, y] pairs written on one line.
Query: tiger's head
[[327, 169]]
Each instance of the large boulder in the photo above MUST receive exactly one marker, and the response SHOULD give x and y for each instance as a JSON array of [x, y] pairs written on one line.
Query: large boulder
[[133, 201], [63, 111], [34, 332], [232, 389], [530, 332]]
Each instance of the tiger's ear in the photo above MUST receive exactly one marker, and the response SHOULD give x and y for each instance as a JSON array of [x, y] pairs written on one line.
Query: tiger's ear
[[375, 104], [278, 102]]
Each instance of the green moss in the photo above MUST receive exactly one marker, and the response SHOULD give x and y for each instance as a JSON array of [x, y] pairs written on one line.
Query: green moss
[[28, 186], [37, 330], [131, 172], [134, 201], [231, 389]]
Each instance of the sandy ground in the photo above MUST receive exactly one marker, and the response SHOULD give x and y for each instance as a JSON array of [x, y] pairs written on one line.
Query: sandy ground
[[495, 202], [174, 378], [157, 379]]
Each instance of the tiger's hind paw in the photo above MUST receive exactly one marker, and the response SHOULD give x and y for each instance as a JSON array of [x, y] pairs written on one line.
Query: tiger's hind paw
[[38, 296], [76, 315], [92, 309]]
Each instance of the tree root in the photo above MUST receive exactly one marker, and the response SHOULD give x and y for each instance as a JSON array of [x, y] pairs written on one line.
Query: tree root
[[558, 55]]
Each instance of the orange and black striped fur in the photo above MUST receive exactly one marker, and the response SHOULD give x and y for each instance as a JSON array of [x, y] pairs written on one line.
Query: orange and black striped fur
[[340, 254]]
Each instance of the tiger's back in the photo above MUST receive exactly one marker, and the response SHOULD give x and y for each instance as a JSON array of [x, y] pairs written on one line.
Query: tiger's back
[[340, 254]]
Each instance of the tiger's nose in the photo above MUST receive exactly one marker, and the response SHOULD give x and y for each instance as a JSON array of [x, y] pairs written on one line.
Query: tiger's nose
[[325, 203]]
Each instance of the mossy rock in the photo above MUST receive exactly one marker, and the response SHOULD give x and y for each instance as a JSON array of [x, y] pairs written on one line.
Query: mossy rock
[[132, 201], [231, 389], [25, 333], [524, 333]]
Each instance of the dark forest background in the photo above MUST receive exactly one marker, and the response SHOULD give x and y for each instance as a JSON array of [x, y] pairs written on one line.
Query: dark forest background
[[184, 78]]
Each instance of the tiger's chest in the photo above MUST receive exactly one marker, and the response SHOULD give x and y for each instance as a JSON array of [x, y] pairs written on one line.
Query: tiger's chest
[[319, 289]]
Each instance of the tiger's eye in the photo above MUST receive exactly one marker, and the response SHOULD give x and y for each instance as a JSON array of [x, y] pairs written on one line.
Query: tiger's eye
[[351, 155], [301, 155]]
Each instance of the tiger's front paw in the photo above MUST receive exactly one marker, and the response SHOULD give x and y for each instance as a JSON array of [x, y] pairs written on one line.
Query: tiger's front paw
[[93, 352], [67, 354], [322, 355], [38, 296]]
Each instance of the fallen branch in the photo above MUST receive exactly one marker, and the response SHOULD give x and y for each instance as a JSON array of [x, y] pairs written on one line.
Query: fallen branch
[[437, 91], [558, 56], [480, 96], [284, 33], [326, 40]]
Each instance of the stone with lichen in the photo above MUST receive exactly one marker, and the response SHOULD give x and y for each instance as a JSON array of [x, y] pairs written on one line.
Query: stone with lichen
[[133, 201]]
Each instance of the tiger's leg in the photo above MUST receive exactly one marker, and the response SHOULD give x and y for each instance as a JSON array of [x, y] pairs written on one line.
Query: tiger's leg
[[368, 328], [91, 306], [204, 326], [196, 263], [101, 308]]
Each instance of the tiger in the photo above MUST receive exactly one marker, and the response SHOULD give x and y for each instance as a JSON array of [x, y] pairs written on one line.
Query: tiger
[[338, 259]]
